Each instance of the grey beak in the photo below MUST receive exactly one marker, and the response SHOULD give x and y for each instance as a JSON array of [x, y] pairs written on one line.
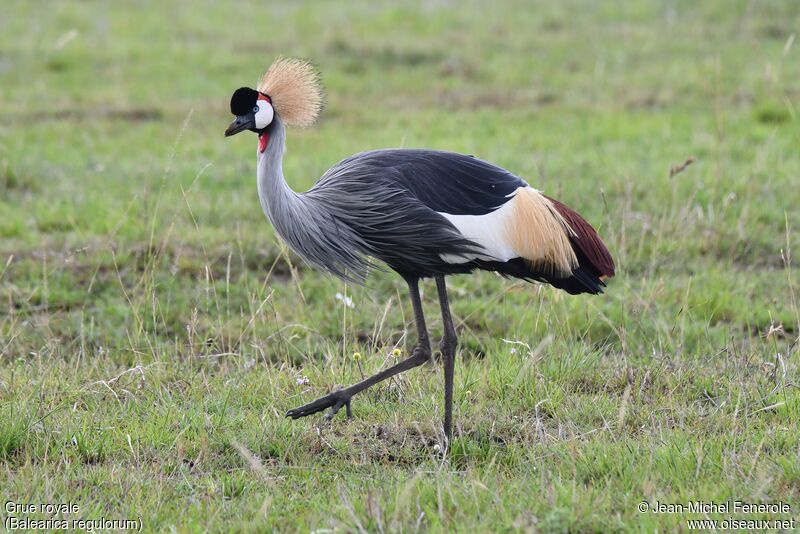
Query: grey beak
[[242, 123]]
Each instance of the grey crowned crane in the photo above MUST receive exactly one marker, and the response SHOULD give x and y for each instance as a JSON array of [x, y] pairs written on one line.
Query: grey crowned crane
[[423, 213]]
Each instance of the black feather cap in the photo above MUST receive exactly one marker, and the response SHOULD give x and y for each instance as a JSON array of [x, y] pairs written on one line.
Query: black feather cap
[[243, 101]]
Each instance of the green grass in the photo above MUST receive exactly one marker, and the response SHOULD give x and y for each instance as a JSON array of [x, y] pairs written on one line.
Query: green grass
[[153, 331]]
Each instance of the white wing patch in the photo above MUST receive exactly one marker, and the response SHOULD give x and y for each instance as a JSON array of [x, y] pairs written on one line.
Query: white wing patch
[[527, 226], [488, 230]]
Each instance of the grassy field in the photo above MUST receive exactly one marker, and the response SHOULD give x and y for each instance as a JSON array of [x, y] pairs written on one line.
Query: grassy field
[[153, 331]]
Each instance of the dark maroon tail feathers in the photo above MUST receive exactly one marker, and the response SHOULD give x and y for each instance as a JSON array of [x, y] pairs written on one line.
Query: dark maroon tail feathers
[[594, 259]]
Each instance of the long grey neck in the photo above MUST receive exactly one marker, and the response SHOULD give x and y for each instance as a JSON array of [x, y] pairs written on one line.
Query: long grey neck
[[276, 197], [311, 226]]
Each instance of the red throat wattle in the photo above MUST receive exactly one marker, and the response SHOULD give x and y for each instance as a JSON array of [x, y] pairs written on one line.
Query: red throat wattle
[[263, 139]]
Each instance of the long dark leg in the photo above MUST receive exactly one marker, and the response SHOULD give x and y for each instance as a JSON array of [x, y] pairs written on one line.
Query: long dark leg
[[448, 348], [421, 354]]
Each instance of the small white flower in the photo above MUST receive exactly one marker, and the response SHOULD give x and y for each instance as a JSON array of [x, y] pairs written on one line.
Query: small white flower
[[437, 447], [513, 350], [345, 299], [303, 380]]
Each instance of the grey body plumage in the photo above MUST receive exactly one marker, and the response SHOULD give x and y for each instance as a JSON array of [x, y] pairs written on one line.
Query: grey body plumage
[[424, 213], [356, 211], [307, 226]]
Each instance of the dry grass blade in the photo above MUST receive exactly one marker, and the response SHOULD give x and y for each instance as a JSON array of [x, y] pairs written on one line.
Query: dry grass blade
[[677, 169]]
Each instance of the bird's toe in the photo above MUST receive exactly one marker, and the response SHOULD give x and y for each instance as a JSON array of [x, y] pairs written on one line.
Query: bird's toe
[[338, 406], [334, 401]]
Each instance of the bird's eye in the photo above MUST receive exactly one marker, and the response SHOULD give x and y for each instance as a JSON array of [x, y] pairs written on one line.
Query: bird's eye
[[255, 109]]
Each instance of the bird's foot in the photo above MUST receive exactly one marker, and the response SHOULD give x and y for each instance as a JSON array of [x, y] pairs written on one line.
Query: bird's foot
[[334, 401]]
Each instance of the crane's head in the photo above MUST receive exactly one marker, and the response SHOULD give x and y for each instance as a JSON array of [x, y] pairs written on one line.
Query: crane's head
[[253, 111], [290, 90]]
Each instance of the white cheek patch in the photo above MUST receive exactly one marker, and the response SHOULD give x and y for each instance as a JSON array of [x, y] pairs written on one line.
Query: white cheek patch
[[264, 114]]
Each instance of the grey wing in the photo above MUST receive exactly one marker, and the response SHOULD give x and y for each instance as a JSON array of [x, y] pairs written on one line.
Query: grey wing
[[394, 224]]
